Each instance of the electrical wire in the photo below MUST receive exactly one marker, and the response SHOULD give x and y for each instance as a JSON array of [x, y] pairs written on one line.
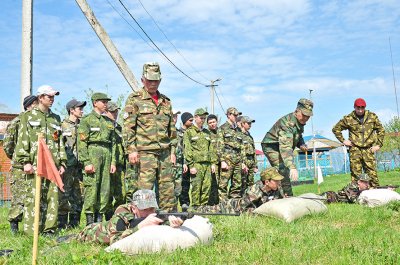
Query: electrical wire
[[222, 108]]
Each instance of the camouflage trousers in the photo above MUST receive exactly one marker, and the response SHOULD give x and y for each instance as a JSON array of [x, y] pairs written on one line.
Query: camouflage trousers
[[214, 199], [117, 188], [156, 170], [19, 187], [201, 183], [178, 171], [233, 205], [247, 180], [131, 180], [184, 197], [97, 185], [48, 206], [271, 151], [362, 159], [70, 201], [234, 175]]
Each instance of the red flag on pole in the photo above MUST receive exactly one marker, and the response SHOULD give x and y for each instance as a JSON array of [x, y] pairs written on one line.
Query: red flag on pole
[[46, 166]]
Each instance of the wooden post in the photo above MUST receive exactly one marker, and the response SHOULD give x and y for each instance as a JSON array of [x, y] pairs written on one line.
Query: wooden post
[[26, 50], [108, 44]]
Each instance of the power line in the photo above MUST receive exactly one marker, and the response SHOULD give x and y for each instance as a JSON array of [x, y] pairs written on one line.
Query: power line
[[166, 57], [215, 91], [176, 49]]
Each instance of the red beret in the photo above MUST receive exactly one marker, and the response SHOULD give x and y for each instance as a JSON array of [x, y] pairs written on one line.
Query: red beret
[[360, 103]]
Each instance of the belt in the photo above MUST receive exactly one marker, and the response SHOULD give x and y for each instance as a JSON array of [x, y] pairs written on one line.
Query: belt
[[103, 144]]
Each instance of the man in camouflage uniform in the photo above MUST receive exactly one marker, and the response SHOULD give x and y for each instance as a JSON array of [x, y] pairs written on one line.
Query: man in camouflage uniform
[[127, 219], [179, 166], [148, 133], [264, 190], [351, 192], [212, 122], [366, 136], [230, 154], [70, 201], [201, 158], [97, 153], [250, 159], [117, 179], [281, 140], [18, 183], [41, 120]]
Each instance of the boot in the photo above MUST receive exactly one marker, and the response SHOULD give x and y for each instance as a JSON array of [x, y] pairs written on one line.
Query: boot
[[89, 219], [108, 215], [62, 221], [14, 227], [98, 217], [74, 219]]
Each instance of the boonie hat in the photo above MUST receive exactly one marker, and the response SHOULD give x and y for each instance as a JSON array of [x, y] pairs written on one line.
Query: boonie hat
[[28, 100], [271, 174], [74, 103], [151, 71], [233, 110], [364, 177], [112, 106], [47, 90], [360, 103], [305, 106], [144, 199], [247, 119], [200, 112], [100, 96]]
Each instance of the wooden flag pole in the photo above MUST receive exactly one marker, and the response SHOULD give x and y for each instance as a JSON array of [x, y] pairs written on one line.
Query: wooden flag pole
[[38, 186]]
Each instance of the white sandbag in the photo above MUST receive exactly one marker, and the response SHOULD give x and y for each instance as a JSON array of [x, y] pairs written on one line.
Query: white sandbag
[[377, 197], [290, 209], [150, 239]]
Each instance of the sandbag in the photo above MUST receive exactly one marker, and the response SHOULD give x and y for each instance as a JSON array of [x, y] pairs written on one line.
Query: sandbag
[[377, 197], [151, 239], [290, 209]]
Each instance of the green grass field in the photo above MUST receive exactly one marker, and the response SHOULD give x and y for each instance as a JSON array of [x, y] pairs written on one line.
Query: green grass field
[[346, 234]]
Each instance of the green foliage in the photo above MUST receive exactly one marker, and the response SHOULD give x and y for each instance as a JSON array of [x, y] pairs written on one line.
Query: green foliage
[[346, 234]]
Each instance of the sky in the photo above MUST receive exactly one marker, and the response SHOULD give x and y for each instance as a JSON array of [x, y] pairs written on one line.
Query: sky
[[269, 54]]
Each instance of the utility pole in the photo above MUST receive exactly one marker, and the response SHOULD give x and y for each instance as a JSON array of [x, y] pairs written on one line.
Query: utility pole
[[26, 50], [108, 44], [212, 92]]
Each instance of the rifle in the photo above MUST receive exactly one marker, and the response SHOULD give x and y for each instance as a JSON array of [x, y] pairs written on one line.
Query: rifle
[[387, 187]]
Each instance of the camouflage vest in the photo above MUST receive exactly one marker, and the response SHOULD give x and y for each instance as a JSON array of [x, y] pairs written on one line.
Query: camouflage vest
[[11, 137]]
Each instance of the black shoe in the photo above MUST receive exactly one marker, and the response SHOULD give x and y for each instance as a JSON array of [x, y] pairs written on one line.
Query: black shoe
[[184, 207], [74, 220], [49, 233], [89, 219], [108, 215], [98, 217], [63, 221], [14, 227]]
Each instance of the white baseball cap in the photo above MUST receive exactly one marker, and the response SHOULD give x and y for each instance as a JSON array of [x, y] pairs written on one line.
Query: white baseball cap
[[47, 90]]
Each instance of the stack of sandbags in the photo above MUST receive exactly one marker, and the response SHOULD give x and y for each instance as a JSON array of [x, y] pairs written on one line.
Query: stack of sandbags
[[290, 209], [150, 239], [377, 197]]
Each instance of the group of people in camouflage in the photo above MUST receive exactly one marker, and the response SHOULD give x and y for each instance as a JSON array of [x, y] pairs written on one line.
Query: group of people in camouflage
[[208, 169]]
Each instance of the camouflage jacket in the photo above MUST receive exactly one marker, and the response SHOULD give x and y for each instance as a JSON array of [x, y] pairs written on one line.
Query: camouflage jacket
[[69, 133], [120, 152], [108, 232], [287, 132], [230, 143], [349, 194], [32, 123], [180, 160], [214, 138], [362, 133], [198, 146], [250, 158], [147, 125], [11, 136], [95, 129]]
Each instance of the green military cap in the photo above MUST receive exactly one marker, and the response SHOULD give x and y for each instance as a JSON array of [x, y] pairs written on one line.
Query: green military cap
[[247, 119], [305, 106], [200, 112], [112, 106], [144, 199], [233, 110], [100, 96], [151, 71], [271, 174], [364, 177]]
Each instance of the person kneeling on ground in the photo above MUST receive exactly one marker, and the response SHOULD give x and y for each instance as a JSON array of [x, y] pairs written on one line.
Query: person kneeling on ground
[[351, 192], [264, 190], [127, 219]]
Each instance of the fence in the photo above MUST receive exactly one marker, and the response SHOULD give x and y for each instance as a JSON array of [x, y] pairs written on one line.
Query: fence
[[5, 192]]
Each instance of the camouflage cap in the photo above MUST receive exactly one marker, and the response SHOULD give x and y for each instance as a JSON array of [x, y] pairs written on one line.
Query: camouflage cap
[[305, 106], [233, 110], [364, 177], [112, 106], [200, 112], [247, 119], [100, 96], [151, 71], [271, 174], [144, 199]]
